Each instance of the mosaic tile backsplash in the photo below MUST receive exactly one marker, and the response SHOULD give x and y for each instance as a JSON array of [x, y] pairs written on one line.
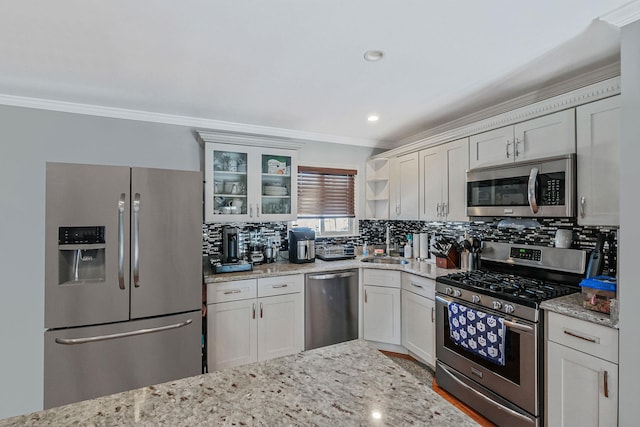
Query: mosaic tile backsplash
[[539, 232]]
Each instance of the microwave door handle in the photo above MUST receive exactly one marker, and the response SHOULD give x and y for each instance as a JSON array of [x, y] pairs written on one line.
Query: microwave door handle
[[121, 240], [532, 190]]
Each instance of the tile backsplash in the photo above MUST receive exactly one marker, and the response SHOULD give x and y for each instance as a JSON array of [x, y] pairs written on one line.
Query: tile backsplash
[[539, 232]]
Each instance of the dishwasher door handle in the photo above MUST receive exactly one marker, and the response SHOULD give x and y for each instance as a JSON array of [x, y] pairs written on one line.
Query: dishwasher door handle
[[333, 276]]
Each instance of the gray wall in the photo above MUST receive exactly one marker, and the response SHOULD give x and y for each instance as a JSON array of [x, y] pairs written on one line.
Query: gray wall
[[629, 290], [29, 138]]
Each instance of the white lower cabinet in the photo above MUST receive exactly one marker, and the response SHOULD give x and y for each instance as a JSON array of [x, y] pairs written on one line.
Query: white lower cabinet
[[266, 320], [381, 306], [581, 373], [418, 317]]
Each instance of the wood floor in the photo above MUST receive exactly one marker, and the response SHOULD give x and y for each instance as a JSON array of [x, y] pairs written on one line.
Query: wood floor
[[455, 402]]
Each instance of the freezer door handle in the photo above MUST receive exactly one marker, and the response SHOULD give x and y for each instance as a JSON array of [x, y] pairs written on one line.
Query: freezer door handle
[[136, 240], [74, 341], [121, 240]]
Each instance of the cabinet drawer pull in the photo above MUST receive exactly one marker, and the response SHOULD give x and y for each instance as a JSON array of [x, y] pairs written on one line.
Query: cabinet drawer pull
[[261, 310], [433, 310], [417, 286], [589, 339], [232, 291], [606, 384], [280, 286], [253, 310], [365, 296], [507, 147]]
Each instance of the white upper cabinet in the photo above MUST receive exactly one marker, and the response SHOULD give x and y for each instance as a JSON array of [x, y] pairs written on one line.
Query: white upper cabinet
[[598, 162], [546, 136], [404, 187], [443, 181], [244, 183]]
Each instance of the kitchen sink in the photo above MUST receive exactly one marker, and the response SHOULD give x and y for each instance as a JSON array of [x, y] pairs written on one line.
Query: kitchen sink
[[383, 260]]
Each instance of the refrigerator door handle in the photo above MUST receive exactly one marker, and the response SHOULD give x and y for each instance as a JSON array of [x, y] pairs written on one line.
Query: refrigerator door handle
[[121, 240], [136, 240], [74, 341]]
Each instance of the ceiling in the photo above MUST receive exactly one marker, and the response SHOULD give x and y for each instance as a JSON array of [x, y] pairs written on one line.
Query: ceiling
[[298, 65]]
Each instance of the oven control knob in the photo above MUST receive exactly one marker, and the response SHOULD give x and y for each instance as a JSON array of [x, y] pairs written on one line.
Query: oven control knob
[[456, 293], [508, 308], [475, 298], [448, 291], [497, 305]]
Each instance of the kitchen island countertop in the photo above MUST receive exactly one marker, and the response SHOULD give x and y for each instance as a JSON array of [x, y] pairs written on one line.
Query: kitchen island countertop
[[344, 384], [421, 268]]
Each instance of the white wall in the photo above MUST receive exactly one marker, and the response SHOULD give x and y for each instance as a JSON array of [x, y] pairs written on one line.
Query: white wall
[[628, 249], [29, 138]]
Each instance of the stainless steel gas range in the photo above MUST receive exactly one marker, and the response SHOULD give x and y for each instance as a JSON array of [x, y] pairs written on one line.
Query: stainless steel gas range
[[489, 328]]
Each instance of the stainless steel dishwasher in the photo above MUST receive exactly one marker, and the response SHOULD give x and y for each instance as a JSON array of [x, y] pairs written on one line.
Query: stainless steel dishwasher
[[331, 308]]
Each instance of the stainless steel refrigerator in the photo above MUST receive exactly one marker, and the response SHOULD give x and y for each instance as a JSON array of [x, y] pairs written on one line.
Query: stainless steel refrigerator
[[123, 279]]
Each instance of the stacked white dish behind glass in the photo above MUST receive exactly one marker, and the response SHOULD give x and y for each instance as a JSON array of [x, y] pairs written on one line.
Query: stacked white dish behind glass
[[275, 190]]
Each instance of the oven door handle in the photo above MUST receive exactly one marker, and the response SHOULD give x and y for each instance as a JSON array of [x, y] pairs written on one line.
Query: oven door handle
[[485, 398], [508, 323], [443, 300], [518, 326]]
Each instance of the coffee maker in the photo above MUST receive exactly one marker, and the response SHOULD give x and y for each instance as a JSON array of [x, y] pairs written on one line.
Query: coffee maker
[[230, 245], [302, 245]]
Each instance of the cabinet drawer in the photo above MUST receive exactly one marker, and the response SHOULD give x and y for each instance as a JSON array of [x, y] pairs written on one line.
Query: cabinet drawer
[[280, 285], [419, 285], [388, 278], [591, 338], [231, 291]]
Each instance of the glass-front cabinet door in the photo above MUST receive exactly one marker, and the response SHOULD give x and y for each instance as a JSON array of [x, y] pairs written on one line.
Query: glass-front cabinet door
[[245, 183], [277, 185]]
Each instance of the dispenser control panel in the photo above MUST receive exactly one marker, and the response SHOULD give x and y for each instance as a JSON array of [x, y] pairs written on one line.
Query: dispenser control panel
[[81, 235]]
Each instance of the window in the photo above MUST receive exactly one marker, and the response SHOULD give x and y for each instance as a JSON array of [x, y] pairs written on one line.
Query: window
[[326, 200]]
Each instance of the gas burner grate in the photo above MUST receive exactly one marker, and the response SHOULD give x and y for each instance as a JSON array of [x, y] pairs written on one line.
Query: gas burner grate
[[510, 286]]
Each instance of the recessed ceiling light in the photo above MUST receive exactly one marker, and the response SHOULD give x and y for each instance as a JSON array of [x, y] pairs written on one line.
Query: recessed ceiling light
[[373, 55], [373, 118]]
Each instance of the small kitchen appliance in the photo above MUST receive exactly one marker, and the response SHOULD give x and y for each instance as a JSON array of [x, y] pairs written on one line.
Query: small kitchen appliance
[[230, 245], [231, 261], [501, 376], [302, 245], [270, 251]]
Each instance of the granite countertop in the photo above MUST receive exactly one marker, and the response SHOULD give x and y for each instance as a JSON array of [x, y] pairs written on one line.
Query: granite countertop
[[282, 268], [571, 305], [344, 384]]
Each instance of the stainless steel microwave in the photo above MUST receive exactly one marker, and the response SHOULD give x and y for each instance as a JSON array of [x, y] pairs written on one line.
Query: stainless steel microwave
[[542, 188]]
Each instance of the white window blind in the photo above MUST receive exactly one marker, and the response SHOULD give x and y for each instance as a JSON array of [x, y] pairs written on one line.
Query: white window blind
[[326, 192]]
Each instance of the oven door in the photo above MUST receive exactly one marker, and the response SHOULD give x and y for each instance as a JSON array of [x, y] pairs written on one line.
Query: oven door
[[517, 380]]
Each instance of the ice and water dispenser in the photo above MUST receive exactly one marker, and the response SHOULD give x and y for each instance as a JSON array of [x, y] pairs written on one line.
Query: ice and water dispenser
[[81, 255]]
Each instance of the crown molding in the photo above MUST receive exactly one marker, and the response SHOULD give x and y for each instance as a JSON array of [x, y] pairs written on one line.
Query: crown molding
[[255, 140], [625, 14], [194, 122], [594, 92]]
